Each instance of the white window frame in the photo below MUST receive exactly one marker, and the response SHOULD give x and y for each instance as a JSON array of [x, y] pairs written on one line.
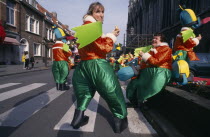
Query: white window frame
[[37, 49], [48, 53], [53, 37], [37, 27], [49, 34], [32, 2], [9, 14], [30, 25], [48, 16]]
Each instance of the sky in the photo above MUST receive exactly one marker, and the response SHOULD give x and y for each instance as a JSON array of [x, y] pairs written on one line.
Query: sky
[[70, 12]]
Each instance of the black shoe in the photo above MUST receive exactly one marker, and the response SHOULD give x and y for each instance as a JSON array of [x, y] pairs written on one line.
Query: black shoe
[[120, 124], [57, 86], [79, 119], [64, 87]]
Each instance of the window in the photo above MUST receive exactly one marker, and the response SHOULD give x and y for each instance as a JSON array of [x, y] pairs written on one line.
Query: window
[[37, 49], [49, 34], [48, 16], [32, 2], [59, 24], [32, 25], [48, 53], [10, 13], [37, 27]]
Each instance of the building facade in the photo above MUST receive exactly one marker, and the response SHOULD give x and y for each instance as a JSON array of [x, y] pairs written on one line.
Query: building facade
[[28, 27], [9, 17], [152, 16]]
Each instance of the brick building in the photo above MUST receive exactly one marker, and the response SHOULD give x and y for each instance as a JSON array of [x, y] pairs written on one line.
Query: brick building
[[28, 27], [9, 17]]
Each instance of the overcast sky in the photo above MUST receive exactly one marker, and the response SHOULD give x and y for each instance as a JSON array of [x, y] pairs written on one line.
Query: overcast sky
[[70, 12]]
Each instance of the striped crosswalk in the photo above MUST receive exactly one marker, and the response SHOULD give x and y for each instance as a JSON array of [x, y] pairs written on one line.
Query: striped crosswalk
[[18, 91], [20, 113], [8, 85], [17, 115], [64, 123]]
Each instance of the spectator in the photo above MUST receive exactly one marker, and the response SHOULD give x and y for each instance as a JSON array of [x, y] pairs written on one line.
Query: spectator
[[24, 60], [32, 61]]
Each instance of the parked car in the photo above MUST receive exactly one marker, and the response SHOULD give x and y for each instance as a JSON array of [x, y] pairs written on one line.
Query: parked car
[[202, 66]]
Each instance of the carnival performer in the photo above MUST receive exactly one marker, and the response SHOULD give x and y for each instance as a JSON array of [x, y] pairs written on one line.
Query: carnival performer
[[183, 47], [186, 39], [112, 62], [94, 73], [61, 54], [155, 72]]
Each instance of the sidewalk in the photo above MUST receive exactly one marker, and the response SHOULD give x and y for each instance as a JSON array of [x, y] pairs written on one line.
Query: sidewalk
[[6, 70]]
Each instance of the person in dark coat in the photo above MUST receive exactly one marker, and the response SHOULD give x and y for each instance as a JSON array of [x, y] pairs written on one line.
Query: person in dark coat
[[32, 61]]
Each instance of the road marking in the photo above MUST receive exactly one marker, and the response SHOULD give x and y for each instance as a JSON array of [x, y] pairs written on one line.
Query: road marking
[[138, 124], [18, 91], [124, 93], [20, 113], [64, 123], [8, 85]]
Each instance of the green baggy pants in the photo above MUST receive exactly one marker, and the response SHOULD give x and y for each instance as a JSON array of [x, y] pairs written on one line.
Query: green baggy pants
[[97, 75], [60, 71]]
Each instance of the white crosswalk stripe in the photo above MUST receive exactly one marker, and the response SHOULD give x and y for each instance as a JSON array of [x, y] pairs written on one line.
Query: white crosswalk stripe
[[137, 123], [64, 123], [20, 113], [17, 115], [8, 85], [18, 91], [124, 93]]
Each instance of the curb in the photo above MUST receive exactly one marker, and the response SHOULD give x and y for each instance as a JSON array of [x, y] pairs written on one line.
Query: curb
[[161, 125], [9, 74], [178, 113]]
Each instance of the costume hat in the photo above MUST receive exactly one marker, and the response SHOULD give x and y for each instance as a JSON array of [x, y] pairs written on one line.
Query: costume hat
[[188, 18], [59, 34]]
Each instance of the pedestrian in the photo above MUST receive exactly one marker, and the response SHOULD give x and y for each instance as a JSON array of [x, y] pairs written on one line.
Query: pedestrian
[[61, 54], [155, 72], [32, 61], [94, 73], [24, 60]]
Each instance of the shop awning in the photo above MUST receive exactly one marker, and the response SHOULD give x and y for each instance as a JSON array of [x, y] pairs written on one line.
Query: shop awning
[[12, 41]]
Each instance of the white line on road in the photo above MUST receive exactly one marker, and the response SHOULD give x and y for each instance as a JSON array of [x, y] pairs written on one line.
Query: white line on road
[[8, 85], [18, 91], [137, 123], [124, 93], [20, 113], [64, 123]]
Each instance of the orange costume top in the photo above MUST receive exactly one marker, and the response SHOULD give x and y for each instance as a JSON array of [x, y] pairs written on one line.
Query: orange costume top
[[160, 56], [58, 53], [98, 48], [187, 46]]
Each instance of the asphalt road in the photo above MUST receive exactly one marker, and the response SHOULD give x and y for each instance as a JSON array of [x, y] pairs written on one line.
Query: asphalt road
[[30, 106]]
